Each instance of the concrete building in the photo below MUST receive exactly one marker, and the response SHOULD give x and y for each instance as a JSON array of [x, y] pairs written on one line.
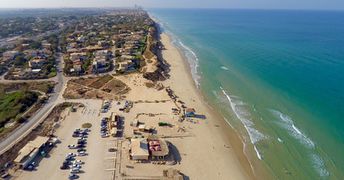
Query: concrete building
[[139, 149], [30, 151]]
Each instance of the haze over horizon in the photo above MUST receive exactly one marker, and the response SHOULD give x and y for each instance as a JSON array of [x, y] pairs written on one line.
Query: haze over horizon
[[240, 4]]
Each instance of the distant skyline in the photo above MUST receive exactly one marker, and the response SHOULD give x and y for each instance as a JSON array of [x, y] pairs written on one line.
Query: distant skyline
[[242, 4]]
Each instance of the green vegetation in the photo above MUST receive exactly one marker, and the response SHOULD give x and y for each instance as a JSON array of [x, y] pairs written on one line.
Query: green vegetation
[[45, 87], [12, 105], [53, 73], [87, 63], [20, 60]]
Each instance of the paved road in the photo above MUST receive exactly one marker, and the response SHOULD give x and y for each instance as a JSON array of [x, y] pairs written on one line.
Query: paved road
[[34, 121]]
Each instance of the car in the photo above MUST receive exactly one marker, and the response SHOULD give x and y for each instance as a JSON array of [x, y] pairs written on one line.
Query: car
[[76, 166], [69, 158], [82, 139], [79, 146], [73, 176], [75, 170], [81, 149], [66, 162], [81, 143], [71, 154], [82, 153], [72, 146], [83, 136], [105, 135], [50, 144], [30, 167], [77, 162], [63, 167], [103, 129]]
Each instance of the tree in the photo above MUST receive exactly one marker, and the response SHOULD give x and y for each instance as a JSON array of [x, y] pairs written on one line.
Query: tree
[[20, 60]]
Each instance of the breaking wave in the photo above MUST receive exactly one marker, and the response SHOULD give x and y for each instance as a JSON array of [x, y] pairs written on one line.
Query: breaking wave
[[244, 116], [191, 58], [288, 124], [319, 165], [187, 52]]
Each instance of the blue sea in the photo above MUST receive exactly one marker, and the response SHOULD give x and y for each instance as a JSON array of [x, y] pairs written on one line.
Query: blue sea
[[276, 76]]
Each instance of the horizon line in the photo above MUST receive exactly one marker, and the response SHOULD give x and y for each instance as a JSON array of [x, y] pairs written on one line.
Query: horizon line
[[185, 8]]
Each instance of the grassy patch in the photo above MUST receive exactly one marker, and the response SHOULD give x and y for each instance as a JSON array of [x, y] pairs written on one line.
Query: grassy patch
[[45, 87], [53, 73], [86, 125], [15, 103]]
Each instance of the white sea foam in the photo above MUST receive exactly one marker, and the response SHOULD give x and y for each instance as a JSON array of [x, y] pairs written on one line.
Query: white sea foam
[[192, 60], [244, 116], [257, 152], [319, 165], [191, 57], [288, 124], [225, 68]]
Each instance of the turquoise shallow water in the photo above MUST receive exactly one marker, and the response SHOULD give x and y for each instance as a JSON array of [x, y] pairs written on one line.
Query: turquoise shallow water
[[277, 77]]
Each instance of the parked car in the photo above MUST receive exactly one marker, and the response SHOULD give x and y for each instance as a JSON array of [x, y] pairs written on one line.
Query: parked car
[[75, 170], [73, 176], [66, 162], [30, 167], [71, 154], [77, 162], [69, 158], [82, 153], [63, 167], [80, 150], [81, 142], [76, 166], [80, 146], [105, 135], [72, 146]]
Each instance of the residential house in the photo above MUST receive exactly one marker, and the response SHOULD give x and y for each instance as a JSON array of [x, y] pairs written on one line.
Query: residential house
[[37, 62]]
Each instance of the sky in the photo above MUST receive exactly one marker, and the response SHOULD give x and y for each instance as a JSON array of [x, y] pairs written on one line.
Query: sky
[[242, 4]]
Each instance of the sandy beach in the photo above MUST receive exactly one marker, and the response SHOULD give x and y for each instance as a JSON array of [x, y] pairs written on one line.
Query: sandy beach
[[216, 151], [202, 148]]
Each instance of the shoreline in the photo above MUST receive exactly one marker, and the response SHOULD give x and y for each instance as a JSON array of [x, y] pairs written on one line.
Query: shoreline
[[222, 128]]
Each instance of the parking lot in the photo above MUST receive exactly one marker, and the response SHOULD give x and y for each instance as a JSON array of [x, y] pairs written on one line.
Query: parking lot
[[98, 161]]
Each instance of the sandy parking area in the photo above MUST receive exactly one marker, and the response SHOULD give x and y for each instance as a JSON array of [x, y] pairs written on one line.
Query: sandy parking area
[[99, 163]]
